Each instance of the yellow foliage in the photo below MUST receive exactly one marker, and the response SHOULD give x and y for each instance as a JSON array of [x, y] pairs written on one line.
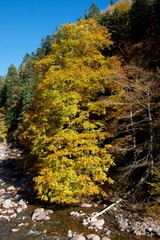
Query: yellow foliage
[[66, 124]]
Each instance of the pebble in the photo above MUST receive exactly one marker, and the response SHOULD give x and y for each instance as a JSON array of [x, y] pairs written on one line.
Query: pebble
[[15, 229], [19, 209], [11, 211], [70, 234], [86, 205], [2, 191], [77, 214], [5, 217]]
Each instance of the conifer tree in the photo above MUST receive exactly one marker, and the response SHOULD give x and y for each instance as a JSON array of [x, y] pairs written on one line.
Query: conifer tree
[[139, 19], [93, 11], [13, 97], [111, 2], [29, 81]]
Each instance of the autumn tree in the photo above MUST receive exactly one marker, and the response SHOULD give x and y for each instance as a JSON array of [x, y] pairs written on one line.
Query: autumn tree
[[70, 116]]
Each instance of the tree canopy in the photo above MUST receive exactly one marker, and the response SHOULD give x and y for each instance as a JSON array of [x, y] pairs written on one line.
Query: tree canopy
[[67, 122]]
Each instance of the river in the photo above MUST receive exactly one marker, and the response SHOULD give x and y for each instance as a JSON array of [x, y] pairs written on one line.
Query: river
[[14, 225]]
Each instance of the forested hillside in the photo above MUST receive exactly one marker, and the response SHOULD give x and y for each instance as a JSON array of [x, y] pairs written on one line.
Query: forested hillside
[[86, 106]]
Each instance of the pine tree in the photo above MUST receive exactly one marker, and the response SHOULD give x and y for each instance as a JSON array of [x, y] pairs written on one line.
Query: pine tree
[[29, 81], [117, 23], [13, 97], [93, 11], [111, 2], [139, 19]]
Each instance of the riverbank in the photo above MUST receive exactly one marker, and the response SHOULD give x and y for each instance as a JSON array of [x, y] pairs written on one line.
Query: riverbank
[[23, 217]]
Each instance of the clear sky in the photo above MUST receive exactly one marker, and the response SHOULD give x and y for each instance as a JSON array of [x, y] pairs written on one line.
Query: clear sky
[[23, 23]]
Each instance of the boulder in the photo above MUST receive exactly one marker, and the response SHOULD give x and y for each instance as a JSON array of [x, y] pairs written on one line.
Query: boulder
[[78, 237], [8, 204], [98, 224], [22, 204], [11, 189], [93, 237], [40, 214]]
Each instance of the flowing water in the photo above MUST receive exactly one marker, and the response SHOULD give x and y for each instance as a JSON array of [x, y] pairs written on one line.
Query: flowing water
[[23, 228]]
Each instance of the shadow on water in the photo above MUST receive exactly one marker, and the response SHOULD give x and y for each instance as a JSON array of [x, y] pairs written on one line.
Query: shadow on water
[[23, 228]]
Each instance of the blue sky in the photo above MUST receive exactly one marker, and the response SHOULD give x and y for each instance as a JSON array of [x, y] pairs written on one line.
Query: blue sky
[[23, 23]]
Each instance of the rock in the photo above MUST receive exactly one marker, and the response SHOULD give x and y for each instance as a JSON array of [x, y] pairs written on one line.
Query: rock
[[108, 232], [105, 238], [8, 204], [11, 189], [90, 236], [96, 237], [37, 212], [13, 215], [15, 229], [4, 212], [77, 214], [93, 219], [41, 214], [32, 232], [145, 227], [2, 156], [20, 224], [98, 224], [93, 237], [86, 205], [2, 191], [48, 211], [78, 237], [22, 204], [11, 211], [4, 217], [19, 209], [70, 234], [2, 200], [18, 197], [85, 222]]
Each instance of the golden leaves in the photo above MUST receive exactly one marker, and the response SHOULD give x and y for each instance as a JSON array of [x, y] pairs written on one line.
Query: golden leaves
[[66, 125]]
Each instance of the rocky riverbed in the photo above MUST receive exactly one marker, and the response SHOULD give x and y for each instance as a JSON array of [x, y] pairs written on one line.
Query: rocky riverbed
[[23, 217]]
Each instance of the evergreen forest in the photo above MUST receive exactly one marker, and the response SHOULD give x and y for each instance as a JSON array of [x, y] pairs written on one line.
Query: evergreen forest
[[85, 107]]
